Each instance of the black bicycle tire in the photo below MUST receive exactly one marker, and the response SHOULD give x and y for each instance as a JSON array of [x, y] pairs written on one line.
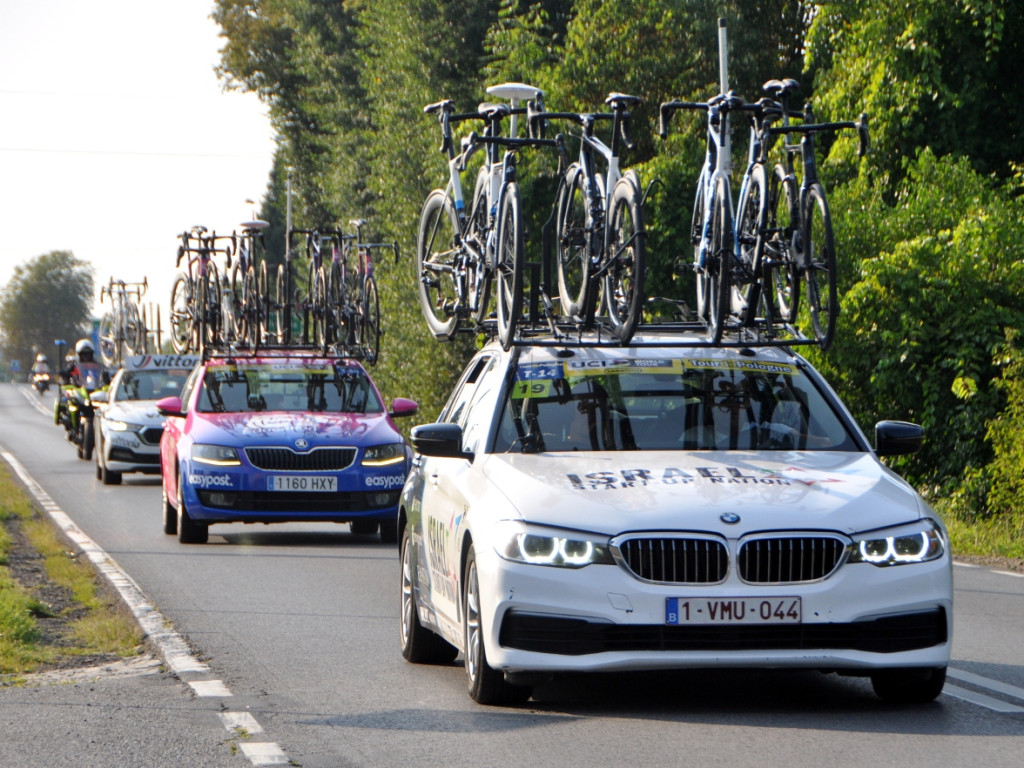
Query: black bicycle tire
[[510, 266], [437, 205], [572, 235], [184, 315], [626, 198], [477, 228], [371, 321], [283, 303], [820, 262], [784, 290], [335, 303], [751, 213], [718, 267]]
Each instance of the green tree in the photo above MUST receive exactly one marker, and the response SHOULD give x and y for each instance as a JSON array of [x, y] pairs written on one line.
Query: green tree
[[942, 75], [49, 297], [939, 283]]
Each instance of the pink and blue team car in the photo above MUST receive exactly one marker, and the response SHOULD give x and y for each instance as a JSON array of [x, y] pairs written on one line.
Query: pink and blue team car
[[281, 438]]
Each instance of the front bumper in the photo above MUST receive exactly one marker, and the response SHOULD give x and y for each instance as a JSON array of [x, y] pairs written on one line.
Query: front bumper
[[600, 618]]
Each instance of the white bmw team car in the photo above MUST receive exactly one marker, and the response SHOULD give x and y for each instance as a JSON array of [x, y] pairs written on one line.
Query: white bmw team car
[[655, 507], [128, 427]]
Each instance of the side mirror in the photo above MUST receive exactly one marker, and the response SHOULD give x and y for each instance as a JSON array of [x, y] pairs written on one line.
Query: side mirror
[[169, 406], [100, 396], [403, 406], [898, 438], [440, 439]]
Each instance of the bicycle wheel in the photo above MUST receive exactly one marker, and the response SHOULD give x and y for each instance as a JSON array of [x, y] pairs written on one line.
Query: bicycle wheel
[[479, 275], [336, 300], [283, 304], [713, 281], [626, 254], [318, 311], [509, 271], [211, 298], [778, 247], [371, 322], [819, 260], [573, 240], [134, 329], [108, 341], [750, 216], [437, 253], [183, 314]]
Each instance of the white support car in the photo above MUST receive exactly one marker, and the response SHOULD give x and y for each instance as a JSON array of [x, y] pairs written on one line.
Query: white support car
[[661, 507], [128, 427]]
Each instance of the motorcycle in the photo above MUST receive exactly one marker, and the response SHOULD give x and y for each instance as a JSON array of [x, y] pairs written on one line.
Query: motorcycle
[[41, 382], [80, 409]]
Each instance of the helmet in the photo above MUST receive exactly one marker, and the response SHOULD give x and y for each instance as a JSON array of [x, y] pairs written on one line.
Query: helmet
[[41, 358], [82, 346]]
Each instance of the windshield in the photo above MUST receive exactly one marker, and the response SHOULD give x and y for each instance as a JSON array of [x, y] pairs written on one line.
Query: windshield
[[254, 387], [667, 404], [151, 385]]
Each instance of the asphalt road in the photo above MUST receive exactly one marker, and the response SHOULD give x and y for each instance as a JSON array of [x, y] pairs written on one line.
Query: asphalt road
[[300, 624]]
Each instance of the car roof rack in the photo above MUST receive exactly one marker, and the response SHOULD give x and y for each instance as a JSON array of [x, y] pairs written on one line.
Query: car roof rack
[[542, 327], [223, 351]]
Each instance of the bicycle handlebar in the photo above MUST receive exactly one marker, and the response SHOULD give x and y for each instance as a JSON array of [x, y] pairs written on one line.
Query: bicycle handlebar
[[860, 125]]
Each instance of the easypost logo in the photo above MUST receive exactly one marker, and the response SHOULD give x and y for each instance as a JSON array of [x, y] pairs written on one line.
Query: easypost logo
[[385, 481], [210, 481]]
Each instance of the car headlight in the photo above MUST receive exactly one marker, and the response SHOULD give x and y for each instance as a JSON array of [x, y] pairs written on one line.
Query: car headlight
[[384, 455], [217, 455], [916, 543], [546, 546], [121, 426]]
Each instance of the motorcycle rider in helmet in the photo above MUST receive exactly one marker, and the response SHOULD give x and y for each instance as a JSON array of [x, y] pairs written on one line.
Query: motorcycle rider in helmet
[[85, 364]]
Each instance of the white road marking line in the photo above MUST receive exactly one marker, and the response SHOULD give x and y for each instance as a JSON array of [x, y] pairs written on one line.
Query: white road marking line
[[240, 721], [1010, 573], [958, 564], [171, 645], [996, 686], [209, 688], [36, 403], [996, 705], [263, 753]]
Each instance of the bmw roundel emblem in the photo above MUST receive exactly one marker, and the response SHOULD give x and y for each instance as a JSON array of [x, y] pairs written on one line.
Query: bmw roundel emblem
[[730, 518], [302, 443]]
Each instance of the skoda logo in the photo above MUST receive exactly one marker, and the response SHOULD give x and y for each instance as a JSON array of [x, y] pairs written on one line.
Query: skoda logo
[[302, 443], [730, 518]]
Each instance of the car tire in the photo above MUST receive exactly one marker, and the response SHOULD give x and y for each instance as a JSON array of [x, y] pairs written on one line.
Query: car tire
[[419, 644], [913, 685], [486, 685], [107, 477], [363, 527], [389, 531], [189, 531], [170, 513]]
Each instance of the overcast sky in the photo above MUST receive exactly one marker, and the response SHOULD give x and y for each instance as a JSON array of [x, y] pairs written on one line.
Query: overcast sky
[[116, 136]]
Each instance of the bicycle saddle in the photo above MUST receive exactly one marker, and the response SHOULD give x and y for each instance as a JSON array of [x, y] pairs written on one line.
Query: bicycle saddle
[[255, 224], [621, 98], [514, 91], [492, 111], [779, 87]]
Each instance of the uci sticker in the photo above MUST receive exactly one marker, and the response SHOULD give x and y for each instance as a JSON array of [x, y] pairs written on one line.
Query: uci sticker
[[619, 366]]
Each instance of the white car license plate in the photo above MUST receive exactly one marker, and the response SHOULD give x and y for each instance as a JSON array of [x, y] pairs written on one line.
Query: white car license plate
[[302, 483], [732, 610]]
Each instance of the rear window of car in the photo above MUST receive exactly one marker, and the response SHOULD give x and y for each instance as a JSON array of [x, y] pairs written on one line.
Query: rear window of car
[[292, 387], [151, 384], [668, 404]]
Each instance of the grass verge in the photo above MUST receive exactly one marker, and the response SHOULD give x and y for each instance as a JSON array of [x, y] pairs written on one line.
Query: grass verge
[[56, 611]]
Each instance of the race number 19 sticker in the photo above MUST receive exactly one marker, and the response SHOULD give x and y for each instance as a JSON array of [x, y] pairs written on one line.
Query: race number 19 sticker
[[523, 390]]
